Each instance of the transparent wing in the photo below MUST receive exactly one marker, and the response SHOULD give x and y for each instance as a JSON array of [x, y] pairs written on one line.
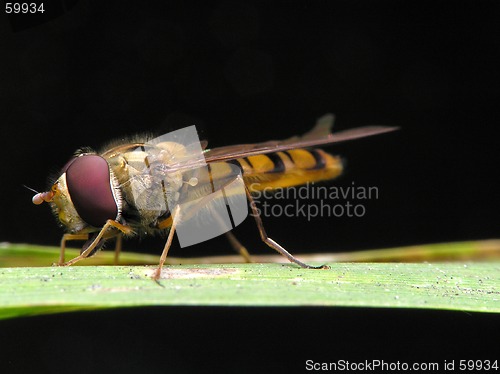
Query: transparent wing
[[319, 135]]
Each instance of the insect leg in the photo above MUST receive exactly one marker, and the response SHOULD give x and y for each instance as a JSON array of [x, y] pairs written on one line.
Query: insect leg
[[64, 239], [238, 247], [102, 234], [270, 242], [175, 219], [118, 248]]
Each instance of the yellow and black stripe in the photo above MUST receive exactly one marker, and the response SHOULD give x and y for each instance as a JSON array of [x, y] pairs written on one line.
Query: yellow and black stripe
[[287, 169]]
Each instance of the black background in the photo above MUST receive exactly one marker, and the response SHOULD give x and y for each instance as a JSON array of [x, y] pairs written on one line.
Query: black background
[[87, 72]]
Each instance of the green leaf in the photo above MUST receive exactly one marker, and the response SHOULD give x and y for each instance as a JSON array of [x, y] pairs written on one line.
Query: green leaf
[[466, 286], [13, 255]]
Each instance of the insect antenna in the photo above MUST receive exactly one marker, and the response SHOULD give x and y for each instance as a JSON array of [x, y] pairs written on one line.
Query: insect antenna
[[31, 189]]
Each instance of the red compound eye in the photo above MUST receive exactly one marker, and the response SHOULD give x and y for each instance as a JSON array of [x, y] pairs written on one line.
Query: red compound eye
[[89, 186]]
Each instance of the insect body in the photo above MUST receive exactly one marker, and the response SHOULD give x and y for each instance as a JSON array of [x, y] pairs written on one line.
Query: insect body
[[173, 183]]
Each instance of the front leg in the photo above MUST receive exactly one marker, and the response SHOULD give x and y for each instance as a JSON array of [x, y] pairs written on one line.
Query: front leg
[[109, 230], [65, 238]]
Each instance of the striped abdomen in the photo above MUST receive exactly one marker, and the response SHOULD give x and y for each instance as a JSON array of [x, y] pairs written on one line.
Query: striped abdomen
[[289, 168]]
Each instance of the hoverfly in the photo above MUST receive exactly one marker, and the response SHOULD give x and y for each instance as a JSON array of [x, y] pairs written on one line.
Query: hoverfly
[[149, 186]]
